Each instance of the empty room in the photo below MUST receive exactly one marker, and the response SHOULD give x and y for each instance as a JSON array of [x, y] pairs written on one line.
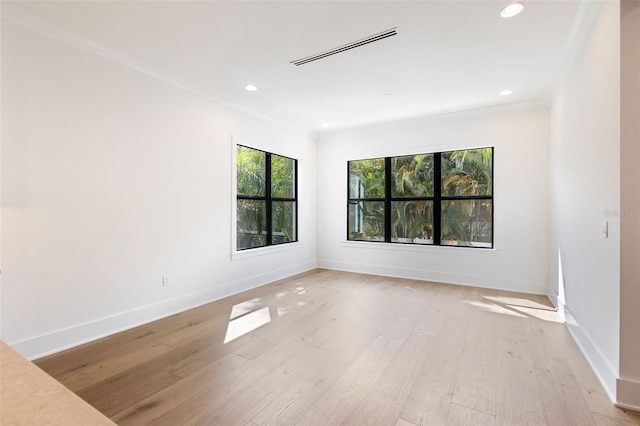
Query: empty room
[[259, 213]]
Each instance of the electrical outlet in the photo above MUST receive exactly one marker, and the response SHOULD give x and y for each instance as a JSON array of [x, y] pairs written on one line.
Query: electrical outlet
[[165, 281]]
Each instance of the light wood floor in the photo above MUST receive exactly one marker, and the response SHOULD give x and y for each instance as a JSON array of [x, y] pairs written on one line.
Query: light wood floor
[[330, 347]]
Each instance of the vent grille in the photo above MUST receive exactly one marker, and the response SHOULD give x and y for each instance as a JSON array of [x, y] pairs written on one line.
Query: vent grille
[[353, 45]]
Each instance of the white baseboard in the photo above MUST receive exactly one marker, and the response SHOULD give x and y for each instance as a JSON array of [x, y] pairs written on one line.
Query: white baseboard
[[628, 394], [59, 340], [601, 367], [474, 280]]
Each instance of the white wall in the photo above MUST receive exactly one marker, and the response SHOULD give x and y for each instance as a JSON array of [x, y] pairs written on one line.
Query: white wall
[[585, 185], [628, 390], [519, 262], [112, 179]]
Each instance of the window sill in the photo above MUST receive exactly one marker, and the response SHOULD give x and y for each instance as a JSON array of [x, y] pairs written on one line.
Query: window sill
[[261, 251], [416, 248]]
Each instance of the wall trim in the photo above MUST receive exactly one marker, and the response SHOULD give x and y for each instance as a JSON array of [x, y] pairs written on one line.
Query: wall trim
[[50, 343], [472, 280], [628, 394], [604, 371]]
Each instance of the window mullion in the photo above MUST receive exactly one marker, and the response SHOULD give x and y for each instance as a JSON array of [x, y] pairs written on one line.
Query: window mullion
[[269, 206], [437, 197], [387, 199]]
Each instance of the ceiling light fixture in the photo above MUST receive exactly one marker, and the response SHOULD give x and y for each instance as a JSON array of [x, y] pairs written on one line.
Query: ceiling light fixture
[[512, 10], [250, 88], [325, 125], [506, 93]]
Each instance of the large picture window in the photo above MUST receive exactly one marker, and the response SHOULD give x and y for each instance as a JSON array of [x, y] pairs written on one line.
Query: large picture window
[[267, 212], [441, 198]]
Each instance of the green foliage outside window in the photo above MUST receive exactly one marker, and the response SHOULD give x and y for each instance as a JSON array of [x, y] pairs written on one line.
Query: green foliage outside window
[[412, 221], [366, 178], [251, 171], [467, 173], [412, 176], [366, 220], [282, 177]]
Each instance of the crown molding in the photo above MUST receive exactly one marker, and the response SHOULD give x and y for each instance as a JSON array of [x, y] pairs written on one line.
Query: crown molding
[[583, 22]]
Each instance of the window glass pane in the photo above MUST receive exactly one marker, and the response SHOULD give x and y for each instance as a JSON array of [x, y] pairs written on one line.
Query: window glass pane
[[250, 172], [283, 222], [366, 220], [467, 172], [366, 178], [412, 176], [282, 177], [251, 224], [466, 223], [412, 222]]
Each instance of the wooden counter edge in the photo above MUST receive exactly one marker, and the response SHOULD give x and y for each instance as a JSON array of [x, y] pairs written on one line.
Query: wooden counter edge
[[29, 396]]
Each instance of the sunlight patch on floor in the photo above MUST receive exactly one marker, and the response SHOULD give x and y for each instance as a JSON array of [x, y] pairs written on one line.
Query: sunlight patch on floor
[[520, 302], [515, 306], [543, 314], [245, 307], [493, 308], [247, 323]]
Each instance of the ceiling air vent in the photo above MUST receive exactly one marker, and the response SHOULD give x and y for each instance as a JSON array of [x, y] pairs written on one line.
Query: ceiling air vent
[[352, 45]]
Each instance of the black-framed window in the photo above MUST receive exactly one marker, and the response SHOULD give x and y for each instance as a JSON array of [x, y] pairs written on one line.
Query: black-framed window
[[440, 198], [267, 194]]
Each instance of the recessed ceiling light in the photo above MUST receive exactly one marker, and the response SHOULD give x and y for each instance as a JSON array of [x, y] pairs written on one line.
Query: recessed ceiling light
[[325, 125], [506, 93], [512, 10], [250, 88]]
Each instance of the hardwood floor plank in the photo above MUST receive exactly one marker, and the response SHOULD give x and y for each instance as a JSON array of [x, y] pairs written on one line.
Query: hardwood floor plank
[[544, 354], [299, 395], [337, 403], [476, 384], [76, 358], [402, 422], [384, 402], [285, 393], [562, 399], [154, 406], [88, 374], [518, 400], [117, 394], [465, 416], [430, 397], [201, 404]]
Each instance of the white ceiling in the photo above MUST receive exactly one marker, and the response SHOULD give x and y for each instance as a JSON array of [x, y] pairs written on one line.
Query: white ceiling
[[449, 55]]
